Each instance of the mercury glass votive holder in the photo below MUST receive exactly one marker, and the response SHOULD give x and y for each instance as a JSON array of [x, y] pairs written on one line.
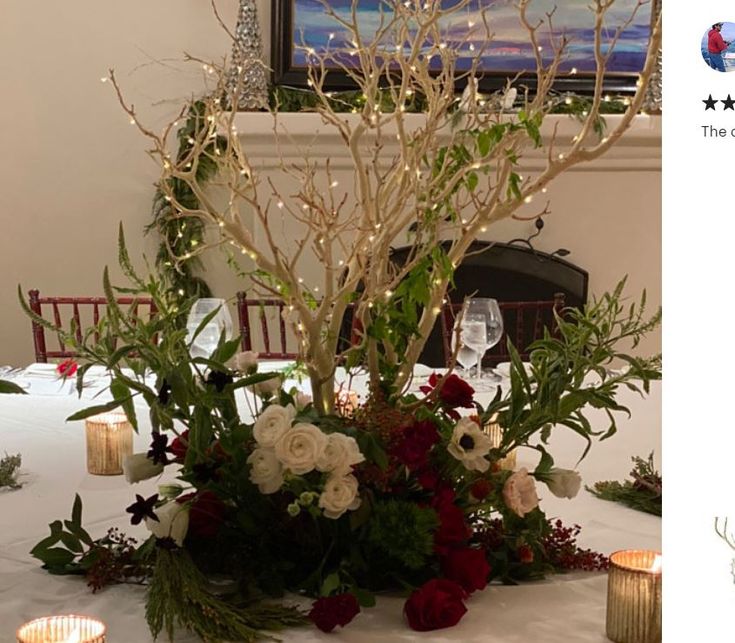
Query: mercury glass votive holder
[[495, 432], [62, 629], [109, 440], [634, 597]]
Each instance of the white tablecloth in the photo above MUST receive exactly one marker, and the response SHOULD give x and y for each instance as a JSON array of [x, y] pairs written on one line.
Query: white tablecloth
[[564, 608]]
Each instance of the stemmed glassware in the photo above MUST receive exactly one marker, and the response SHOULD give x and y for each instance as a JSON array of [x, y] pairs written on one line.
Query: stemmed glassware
[[480, 328], [205, 343]]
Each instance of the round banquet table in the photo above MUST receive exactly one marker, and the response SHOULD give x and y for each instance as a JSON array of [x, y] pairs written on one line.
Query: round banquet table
[[562, 609]]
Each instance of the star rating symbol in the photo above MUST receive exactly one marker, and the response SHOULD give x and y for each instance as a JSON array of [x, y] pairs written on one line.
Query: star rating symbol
[[710, 103], [729, 103]]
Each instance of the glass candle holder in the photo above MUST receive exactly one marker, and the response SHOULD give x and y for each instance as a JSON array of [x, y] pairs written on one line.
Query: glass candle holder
[[495, 432], [109, 440], [62, 629], [634, 597]]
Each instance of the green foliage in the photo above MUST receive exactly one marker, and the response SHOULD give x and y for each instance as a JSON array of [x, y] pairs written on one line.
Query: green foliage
[[403, 530], [178, 596], [69, 549], [557, 389], [643, 492], [293, 99], [10, 387], [9, 466]]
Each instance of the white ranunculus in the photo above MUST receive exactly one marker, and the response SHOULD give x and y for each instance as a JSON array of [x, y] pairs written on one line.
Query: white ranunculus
[[339, 495], [302, 400], [139, 467], [300, 447], [564, 483], [470, 445], [340, 454], [272, 424], [246, 361], [268, 387], [173, 522], [265, 470], [519, 493]]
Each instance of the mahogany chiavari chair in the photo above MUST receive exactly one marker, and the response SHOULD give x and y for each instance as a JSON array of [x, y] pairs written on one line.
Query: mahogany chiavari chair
[[523, 322], [269, 313], [82, 310]]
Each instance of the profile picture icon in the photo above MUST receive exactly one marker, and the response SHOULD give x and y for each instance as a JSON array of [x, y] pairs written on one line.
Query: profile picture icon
[[718, 50]]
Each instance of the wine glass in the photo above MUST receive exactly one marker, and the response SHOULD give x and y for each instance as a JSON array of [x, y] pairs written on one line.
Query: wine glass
[[488, 309], [472, 335], [206, 341]]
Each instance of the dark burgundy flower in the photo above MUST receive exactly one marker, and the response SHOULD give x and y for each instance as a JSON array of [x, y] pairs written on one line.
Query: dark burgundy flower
[[525, 554], [481, 489], [143, 508], [205, 472], [206, 513], [435, 605], [166, 543], [158, 449], [219, 380], [330, 611], [468, 567], [67, 368], [452, 526], [179, 446], [428, 479], [455, 392], [415, 443]]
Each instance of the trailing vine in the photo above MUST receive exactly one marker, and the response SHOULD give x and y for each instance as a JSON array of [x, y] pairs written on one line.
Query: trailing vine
[[180, 235]]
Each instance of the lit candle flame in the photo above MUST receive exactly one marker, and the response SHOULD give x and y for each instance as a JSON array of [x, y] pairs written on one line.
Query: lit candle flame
[[74, 637]]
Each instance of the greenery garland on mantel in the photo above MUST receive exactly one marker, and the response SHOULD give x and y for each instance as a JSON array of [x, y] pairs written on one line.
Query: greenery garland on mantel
[[179, 236]]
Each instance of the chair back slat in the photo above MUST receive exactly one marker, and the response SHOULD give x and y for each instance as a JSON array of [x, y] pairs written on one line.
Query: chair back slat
[[282, 327], [73, 309], [266, 310], [523, 321], [264, 329]]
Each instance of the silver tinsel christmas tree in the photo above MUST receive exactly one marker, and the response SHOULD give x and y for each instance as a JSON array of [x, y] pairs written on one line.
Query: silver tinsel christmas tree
[[247, 80]]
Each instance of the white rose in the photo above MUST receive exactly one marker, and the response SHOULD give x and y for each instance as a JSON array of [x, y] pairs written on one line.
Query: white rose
[[300, 448], [173, 522], [339, 495], [340, 454], [470, 445], [302, 400], [272, 424], [564, 483], [139, 467], [265, 470], [519, 493], [246, 361], [268, 387]]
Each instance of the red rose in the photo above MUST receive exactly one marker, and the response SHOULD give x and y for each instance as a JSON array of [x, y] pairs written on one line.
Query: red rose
[[454, 392], [481, 489], [331, 611], [206, 514], [525, 554], [468, 567], [415, 443], [452, 527], [436, 604], [180, 446], [67, 368]]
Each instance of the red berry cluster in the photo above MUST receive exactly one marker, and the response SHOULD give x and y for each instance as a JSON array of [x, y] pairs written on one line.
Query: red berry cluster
[[564, 553]]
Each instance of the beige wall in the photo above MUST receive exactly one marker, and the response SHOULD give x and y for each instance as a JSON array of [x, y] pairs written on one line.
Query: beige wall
[[72, 167]]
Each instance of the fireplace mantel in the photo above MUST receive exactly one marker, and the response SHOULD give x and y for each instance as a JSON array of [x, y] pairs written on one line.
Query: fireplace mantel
[[306, 133]]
